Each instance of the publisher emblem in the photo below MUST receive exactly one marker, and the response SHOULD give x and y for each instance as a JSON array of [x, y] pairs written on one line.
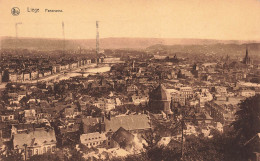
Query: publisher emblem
[[15, 11]]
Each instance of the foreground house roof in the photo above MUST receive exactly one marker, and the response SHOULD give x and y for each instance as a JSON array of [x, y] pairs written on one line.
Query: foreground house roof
[[36, 138]]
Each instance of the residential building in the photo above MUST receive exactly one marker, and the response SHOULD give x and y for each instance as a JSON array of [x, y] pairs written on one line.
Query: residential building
[[93, 139], [247, 93]]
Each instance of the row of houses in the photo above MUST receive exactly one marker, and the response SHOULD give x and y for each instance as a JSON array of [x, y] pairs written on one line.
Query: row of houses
[[35, 74]]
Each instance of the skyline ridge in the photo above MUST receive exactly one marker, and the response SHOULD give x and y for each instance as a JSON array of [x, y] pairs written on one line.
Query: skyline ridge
[[125, 37]]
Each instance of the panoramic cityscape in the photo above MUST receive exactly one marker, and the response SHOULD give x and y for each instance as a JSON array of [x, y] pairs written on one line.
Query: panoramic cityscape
[[127, 98]]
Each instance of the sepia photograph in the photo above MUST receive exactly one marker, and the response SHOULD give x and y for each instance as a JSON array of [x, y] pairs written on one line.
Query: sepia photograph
[[129, 80]]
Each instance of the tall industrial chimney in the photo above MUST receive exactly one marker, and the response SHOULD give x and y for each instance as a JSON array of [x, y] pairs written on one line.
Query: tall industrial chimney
[[97, 41], [63, 35]]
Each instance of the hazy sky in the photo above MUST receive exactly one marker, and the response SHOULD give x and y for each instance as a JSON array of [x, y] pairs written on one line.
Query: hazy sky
[[211, 19]]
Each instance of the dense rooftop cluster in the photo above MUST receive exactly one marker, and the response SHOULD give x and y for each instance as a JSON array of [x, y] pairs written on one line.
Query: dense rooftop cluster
[[171, 95]]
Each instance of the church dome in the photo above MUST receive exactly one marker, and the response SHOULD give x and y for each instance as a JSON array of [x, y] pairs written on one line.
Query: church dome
[[160, 93]]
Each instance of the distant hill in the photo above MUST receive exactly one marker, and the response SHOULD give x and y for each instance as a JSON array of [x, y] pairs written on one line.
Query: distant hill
[[233, 50], [105, 43]]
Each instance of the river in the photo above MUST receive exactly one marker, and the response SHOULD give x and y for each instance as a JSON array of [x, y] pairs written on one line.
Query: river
[[87, 72], [63, 76]]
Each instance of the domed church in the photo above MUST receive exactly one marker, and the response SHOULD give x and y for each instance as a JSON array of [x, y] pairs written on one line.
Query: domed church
[[160, 100]]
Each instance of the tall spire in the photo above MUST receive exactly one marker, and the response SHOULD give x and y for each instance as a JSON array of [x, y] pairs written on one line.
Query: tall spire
[[227, 58], [247, 58], [246, 52]]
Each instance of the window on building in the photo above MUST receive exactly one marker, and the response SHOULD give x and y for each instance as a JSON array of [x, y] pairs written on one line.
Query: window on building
[[44, 150], [36, 152], [29, 153], [49, 149], [53, 149]]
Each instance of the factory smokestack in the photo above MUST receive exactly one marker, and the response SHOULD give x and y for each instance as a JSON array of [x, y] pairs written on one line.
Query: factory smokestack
[[97, 42]]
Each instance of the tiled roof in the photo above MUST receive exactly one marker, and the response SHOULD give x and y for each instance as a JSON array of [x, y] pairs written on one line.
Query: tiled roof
[[128, 122], [122, 135], [91, 121], [69, 111], [24, 126]]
